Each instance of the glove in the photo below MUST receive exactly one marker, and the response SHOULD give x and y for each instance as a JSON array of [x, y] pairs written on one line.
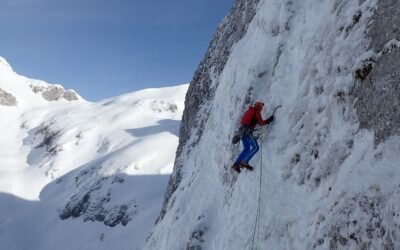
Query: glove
[[270, 119]]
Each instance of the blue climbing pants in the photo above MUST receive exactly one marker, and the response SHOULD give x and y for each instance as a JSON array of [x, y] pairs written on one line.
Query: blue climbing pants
[[250, 147]]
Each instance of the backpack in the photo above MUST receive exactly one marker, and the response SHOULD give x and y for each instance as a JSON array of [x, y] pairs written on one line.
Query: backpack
[[237, 136]]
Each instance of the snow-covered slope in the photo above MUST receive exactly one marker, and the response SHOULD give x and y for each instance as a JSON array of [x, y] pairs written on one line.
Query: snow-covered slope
[[81, 175], [330, 163], [20, 97]]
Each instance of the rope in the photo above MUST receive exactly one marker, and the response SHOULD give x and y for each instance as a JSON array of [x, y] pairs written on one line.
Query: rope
[[259, 201], [257, 224]]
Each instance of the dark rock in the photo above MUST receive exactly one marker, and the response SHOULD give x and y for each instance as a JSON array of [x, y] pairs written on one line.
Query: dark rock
[[378, 95], [70, 95], [117, 215], [386, 20], [364, 71], [195, 240], [54, 93], [357, 16], [7, 99], [50, 135], [75, 210], [94, 204], [374, 215]]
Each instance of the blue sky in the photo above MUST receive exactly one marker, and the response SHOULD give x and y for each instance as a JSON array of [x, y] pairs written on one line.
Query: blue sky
[[103, 48]]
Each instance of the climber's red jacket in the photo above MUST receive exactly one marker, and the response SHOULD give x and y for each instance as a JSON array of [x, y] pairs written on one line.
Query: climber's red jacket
[[252, 117]]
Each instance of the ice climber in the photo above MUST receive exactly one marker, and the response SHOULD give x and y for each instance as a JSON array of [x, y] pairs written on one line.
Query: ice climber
[[250, 119]]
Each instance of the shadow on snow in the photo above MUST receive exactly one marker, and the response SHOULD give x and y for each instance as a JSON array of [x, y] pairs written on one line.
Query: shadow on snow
[[167, 125]]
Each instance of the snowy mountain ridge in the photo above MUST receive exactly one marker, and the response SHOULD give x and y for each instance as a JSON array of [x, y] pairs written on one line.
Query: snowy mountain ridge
[[28, 92], [4, 63], [71, 167]]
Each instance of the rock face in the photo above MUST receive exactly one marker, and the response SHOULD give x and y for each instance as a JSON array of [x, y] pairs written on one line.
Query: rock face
[[377, 95], [70, 95], [55, 93], [202, 87], [6, 99], [15, 83], [94, 204]]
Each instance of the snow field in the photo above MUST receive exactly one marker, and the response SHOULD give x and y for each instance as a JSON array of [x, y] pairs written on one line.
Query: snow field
[[118, 153]]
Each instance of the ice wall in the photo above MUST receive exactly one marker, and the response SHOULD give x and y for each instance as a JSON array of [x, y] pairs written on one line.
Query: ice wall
[[328, 165]]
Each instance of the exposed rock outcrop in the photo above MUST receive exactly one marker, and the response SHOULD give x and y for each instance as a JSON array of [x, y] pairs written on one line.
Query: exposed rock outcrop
[[7, 99], [377, 94], [70, 95], [90, 203], [55, 93]]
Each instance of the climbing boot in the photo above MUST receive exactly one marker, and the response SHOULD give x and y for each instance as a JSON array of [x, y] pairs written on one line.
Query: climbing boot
[[246, 165], [236, 167]]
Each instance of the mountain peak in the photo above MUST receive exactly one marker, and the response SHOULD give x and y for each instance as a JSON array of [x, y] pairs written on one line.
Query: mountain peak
[[4, 63]]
